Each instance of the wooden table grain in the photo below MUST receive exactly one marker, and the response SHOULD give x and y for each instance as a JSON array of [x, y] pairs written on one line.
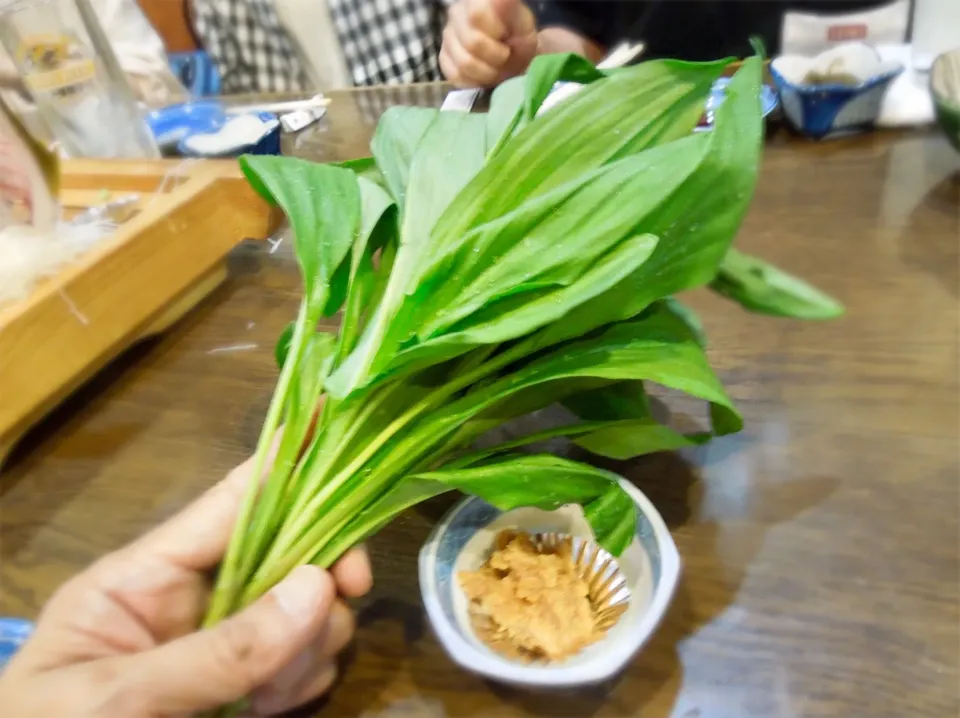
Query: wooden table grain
[[820, 546]]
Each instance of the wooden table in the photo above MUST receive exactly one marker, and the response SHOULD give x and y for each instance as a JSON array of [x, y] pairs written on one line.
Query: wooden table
[[820, 546]]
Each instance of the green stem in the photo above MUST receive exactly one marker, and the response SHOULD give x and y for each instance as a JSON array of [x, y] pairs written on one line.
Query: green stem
[[305, 516], [354, 421], [229, 580], [312, 525], [281, 475], [286, 474], [336, 513], [337, 509]]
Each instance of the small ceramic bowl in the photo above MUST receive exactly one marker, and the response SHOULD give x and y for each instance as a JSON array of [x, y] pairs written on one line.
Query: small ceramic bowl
[[170, 125], [945, 88], [825, 107], [13, 633], [462, 541], [173, 127], [268, 143]]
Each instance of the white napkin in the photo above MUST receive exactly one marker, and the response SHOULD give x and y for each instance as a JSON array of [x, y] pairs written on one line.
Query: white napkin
[[907, 102]]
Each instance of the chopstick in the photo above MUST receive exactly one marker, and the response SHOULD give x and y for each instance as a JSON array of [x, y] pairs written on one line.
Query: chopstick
[[280, 107]]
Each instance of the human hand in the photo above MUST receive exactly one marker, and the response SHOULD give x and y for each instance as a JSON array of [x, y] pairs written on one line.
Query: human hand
[[120, 641], [487, 41]]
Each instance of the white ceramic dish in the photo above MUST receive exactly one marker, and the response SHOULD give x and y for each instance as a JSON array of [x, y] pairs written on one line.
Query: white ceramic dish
[[462, 541]]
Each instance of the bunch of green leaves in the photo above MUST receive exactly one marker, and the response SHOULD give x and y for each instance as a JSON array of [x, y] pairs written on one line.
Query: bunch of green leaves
[[489, 265]]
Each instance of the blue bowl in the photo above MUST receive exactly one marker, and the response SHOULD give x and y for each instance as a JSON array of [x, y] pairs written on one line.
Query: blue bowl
[[13, 633], [173, 125], [828, 110], [718, 92], [170, 125], [268, 144]]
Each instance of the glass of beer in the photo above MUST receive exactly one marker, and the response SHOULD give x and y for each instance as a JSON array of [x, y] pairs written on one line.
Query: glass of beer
[[68, 68]]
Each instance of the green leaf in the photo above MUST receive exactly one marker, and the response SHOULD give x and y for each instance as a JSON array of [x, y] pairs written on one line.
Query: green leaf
[[696, 225], [322, 203], [512, 315], [624, 439], [366, 167], [378, 225], [689, 317], [515, 102], [452, 151], [652, 103], [543, 481], [656, 347], [629, 439], [761, 287], [623, 400], [394, 143], [554, 238], [282, 347], [517, 404], [553, 254], [478, 456], [506, 106], [547, 70], [635, 431]]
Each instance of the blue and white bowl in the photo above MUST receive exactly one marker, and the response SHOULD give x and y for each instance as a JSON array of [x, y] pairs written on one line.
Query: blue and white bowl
[[827, 108], [177, 126], [171, 124], [13, 633], [463, 541]]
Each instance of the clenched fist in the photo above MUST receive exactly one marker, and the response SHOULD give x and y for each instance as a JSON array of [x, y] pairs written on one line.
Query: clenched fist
[[487, 41]]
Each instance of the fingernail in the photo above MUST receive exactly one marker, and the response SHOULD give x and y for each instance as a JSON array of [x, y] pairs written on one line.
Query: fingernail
[[300, 593]]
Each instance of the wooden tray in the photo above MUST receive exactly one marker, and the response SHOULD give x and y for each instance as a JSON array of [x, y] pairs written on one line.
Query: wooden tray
[[158, 265]]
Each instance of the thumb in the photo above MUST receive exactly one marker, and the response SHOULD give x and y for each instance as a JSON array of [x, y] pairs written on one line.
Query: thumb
[[227, 662]]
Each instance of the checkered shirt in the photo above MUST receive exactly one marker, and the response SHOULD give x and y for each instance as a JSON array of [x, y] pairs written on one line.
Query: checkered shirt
[[384, 42]]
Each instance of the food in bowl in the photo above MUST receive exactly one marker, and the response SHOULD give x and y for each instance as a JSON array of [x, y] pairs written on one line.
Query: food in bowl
[[544, 597]]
